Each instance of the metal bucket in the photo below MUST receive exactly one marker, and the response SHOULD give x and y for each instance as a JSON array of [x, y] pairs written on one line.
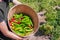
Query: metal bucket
[[28, 11]]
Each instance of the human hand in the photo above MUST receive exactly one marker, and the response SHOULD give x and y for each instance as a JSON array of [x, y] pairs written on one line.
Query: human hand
[[41, 16], [16, 2]]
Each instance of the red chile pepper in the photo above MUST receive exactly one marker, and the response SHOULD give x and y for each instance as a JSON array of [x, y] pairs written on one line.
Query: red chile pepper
[[18, 22], [10, 24], [10, 21], [13, 19]]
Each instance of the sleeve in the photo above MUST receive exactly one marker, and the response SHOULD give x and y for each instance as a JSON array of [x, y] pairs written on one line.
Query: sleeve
[[11, 0], [1, 16], [1, 20]]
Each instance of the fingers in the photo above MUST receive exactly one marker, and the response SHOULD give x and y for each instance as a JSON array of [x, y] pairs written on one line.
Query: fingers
[[41, 16], [42, 19], [26, 38], [20, 39]]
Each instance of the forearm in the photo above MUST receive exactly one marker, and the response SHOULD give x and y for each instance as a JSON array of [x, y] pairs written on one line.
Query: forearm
[[16, 2], [6, 32], [12, 35]]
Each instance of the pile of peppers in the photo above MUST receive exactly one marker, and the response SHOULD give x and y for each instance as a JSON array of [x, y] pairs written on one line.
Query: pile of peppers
[[21, 24]]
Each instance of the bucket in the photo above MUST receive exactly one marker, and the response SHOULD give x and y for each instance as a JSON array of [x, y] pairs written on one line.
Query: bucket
[[28, 11]]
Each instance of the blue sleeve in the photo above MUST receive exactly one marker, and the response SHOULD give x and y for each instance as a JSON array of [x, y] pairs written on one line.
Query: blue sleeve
[[1, 19]]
